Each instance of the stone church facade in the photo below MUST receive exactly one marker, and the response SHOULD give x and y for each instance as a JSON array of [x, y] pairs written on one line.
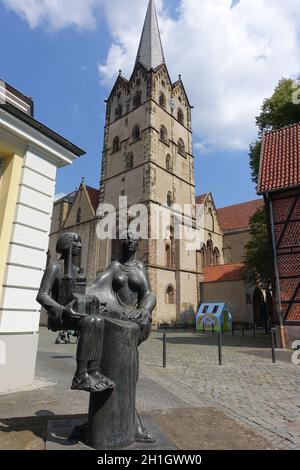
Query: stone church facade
[[148, 157]]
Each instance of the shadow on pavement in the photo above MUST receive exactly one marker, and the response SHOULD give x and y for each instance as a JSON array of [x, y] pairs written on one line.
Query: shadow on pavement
[[28, 433]]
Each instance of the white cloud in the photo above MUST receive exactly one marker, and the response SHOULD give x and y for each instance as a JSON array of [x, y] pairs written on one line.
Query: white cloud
[[230, 58], [55, 13]]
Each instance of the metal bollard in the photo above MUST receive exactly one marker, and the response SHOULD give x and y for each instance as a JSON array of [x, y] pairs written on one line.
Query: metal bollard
[[220, 347], [254, 330], [273, 347], [164, 350]]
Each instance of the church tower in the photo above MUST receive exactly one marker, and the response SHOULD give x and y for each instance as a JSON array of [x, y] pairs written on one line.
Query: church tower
[[147, 157]]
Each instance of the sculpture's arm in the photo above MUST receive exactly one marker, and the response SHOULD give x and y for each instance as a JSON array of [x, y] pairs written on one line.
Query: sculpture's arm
[[44, 295], [147, 299]]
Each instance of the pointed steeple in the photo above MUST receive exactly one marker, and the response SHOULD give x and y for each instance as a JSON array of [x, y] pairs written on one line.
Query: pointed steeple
[[150, 52]]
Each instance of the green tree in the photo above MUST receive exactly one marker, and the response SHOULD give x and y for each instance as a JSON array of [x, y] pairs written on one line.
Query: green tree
[[259, 255], [276, 112]]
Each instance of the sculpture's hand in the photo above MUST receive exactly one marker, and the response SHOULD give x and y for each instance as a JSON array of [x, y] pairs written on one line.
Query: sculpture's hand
[[70, 313], [135, 314], [139, 315]]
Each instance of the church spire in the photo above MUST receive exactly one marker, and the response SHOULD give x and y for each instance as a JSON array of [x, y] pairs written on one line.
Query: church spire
[[150, 52]]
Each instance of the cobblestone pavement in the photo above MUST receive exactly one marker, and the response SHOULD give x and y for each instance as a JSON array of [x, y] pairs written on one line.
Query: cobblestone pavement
[[248, 387]]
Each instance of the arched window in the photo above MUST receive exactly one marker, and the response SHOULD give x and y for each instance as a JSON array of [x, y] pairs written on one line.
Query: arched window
[[203, 258], [169, 198], [78, 216], [169, 165], [162, 100], [116, 144], [209, 253], [212, 221], [129, 160], [170, 295], [137, 99], [118, 111], [163, 134], [168, 256], [181, 147], [216, 257], [180, 116], [136, 133]]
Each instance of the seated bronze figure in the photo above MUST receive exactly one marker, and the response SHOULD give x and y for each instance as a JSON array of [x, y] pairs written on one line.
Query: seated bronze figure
[[121, 293], [57, 295]]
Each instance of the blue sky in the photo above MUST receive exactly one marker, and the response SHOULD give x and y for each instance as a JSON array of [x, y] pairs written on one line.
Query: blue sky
[[58, 65]]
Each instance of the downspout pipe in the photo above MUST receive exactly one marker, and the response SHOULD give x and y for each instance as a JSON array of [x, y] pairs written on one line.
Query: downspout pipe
[[278, 295]]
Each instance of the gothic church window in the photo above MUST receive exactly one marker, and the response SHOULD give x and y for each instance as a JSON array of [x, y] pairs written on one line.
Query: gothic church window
[[116, 144], [181, 147], [170, 295], [163, 134], [137, 99], [180, 116], [203, 258], [168, 256], [169, 198], [136, 133], [118, 111], [129, 160], [162, 101], [169, 163], [209, 254], [216, 257], [170, 249], [212, 221]]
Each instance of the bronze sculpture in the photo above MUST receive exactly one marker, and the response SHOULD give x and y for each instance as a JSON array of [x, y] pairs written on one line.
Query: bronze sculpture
[[57, 295], [115, 313]]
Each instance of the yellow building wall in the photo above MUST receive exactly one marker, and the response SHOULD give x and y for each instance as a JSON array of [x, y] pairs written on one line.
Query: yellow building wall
[[9, 185]]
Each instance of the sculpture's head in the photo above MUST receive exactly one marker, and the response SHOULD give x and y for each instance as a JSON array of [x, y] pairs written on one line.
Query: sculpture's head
[[130, 241], [66, 240]]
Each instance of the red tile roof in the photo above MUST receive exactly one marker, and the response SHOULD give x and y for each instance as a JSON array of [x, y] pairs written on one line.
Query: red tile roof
[[200, 199], [224, 272], [94, 196], [237, 217], [280, 159]]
